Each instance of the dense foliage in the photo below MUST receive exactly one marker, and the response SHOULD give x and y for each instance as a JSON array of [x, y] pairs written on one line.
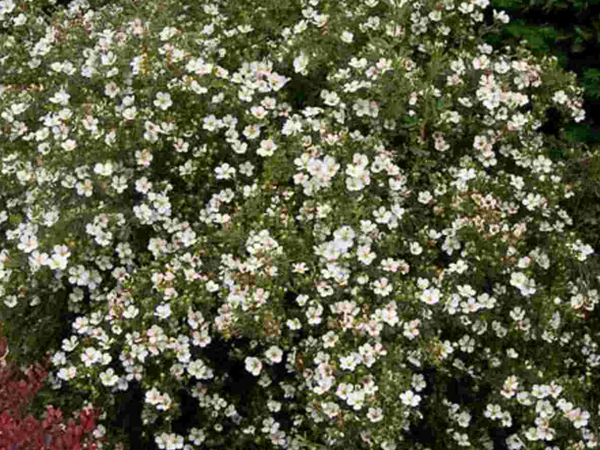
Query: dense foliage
[[309, 223], [569, 30]]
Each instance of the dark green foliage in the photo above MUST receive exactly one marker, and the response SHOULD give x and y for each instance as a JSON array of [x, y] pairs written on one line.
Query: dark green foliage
[[567, 29], [129, 418]]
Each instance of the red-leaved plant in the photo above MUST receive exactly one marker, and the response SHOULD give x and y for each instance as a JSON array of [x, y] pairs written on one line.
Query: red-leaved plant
[[17, 390]]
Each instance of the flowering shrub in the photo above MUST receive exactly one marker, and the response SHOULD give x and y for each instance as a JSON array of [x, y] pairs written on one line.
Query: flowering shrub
[[21, 432], [301, 224]]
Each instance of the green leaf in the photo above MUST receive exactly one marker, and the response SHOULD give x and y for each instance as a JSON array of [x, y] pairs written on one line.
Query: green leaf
[[549, 4], [580, 133], [507, 4], [15, 219]]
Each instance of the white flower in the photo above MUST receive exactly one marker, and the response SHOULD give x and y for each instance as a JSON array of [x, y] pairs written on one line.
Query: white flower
[[267, 148], [6, 7], [347, 37], [330, 339], [253, 365], [163, 311], [111, 89], [274, 354], [119, 184], [358, 63], [418, 382], [104, 169], [501, 16], [252, 132], [365, 255], [10, 301], [431, 296], [58, 262], [163, 100], [493, 411], [153, 396], [425, 197], [28, 243], [169, 441], [344, 390], [294, 324], [197, 436], [130, 113], [143, 185], [356, 399], [109, 378], [314, 314], [90, 356], [518, 280], [199, 370], [85, 189], [61, 97], [461, 439], [463, 419], [354, 184], [224, 172], [435, 16], [578, 417], [584, 250], [344, 233], [410, 399], [165, 402], [411, 329], [415, 248], [382, 287], [67, 373], [348, 362], [167, 33], [375, 414], [331, 409], [300, 64], [330, 98]]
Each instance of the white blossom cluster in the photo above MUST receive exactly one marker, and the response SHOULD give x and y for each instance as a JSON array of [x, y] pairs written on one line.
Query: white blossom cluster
[[173, 191]]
